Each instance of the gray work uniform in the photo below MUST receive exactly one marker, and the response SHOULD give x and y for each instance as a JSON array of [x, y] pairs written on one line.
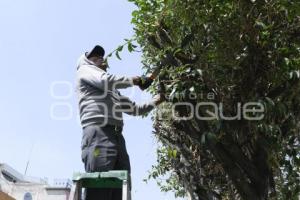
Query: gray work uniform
[[101, 106]]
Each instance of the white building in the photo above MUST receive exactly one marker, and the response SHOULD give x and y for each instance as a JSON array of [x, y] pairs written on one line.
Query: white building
[[19, 187]]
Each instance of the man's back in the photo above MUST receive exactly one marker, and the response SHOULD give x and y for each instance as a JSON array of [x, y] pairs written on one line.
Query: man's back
[[99, 100]]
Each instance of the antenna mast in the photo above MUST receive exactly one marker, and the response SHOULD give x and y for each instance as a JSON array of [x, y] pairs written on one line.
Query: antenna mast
[[27, 164]]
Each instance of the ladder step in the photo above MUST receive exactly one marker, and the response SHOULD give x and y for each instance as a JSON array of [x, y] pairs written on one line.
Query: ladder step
[[109, 179]]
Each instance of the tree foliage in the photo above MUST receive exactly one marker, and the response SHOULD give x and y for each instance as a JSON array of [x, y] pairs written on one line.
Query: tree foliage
[[228, 53]]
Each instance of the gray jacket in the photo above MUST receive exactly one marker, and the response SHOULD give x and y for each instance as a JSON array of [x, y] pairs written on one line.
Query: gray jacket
[[100, 102]]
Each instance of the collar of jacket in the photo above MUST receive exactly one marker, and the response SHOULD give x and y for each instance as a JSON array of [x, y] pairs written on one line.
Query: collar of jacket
[[84, 61]]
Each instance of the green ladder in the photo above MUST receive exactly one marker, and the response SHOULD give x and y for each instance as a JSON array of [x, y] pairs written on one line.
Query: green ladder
[[109, 179]]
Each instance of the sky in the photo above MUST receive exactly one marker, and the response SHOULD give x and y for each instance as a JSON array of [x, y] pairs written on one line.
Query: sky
[[40, 42]]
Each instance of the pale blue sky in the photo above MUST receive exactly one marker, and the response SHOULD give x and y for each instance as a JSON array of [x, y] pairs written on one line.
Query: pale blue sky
[[40, 42]]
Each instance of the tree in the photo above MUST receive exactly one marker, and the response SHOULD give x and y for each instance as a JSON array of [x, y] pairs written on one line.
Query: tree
[[216, 57]]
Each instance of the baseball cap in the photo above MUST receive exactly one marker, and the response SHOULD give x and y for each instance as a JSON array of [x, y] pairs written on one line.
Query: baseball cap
[[96, 51]]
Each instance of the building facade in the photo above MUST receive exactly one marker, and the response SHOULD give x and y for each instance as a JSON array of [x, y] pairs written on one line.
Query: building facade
[[15, 186]]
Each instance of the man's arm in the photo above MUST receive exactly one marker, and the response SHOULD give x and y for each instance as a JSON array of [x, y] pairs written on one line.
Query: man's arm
[[105, 81], [131, 108]]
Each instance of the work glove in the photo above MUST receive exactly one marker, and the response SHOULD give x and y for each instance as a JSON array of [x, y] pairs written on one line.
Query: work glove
[[159, 98], [144, 82], [161, 88]]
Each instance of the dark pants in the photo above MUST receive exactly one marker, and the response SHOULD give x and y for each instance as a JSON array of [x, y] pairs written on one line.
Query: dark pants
[[103, 149]]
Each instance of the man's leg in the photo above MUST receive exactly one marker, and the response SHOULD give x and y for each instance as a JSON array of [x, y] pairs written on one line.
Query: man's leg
[[99, 153], [123, 163]]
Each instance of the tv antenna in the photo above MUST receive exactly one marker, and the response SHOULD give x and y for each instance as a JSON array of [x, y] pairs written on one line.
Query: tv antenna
[[27, 164]]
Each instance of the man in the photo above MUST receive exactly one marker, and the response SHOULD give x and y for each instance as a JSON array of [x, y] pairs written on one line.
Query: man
[[101, 106]]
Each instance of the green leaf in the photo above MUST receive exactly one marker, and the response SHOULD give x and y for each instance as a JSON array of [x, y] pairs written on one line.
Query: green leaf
[[287, 61], [174, 153], [170, 153], [130, 47], [270, 101], [120, 48], [203, 136], [177, 51], [192, 89], [260, 24], [211, 137], [118, 56], [172, 94], [135, 13]]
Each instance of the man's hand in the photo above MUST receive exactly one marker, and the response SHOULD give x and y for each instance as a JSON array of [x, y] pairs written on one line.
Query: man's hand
[[143, 82], [159, 98], [136, 80]]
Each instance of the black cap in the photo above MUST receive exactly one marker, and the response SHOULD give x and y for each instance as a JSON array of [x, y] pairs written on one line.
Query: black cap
[[96, 51]]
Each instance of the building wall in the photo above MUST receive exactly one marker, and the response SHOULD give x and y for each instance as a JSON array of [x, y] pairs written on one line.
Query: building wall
[[19, 187], [4, 196], [38, 192]]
